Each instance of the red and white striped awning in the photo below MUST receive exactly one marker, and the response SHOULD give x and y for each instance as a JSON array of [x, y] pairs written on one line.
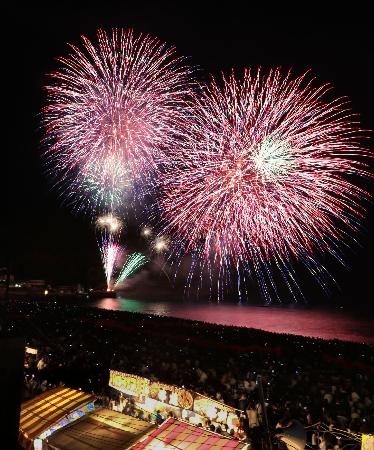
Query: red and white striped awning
[[42, 412], [174, 434]]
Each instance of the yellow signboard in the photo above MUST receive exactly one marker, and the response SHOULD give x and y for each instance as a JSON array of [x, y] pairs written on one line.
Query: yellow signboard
[[31, 351], [129, 384], [171, 395], [367, 442], [162, 393], [210, 408]]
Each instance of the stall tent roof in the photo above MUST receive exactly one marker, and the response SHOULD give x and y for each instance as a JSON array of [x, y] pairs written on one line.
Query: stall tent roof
[[45, 410], [174, 434], [104, 429]]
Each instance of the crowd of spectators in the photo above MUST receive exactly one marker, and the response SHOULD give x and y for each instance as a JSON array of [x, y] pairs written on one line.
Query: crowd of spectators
[[310, 380]]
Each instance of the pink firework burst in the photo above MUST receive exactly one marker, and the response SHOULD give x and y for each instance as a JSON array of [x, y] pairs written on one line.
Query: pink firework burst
[[265, 176], [119, 100]]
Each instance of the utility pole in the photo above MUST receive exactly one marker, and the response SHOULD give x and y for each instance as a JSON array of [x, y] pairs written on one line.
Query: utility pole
[[264, 413]]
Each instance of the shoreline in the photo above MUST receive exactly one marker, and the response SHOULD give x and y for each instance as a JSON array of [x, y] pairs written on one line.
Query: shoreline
[[124, 315], [293, 320]]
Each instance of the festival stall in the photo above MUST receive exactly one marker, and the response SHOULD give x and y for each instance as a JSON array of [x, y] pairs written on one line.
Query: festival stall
[[50, 411], [175, 434], [102, 429], [151, 396]]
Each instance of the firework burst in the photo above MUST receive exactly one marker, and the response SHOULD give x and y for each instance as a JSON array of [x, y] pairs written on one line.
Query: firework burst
[[160, 244], [109, 223], [146, 232], [113, 109], [264, 178], [106, 183]]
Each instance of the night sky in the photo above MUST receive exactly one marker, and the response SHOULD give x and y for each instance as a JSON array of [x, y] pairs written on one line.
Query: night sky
[[47, 240]]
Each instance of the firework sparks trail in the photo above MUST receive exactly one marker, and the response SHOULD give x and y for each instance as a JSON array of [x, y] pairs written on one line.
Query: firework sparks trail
[[133, 263], [264, 178], [109, 232], [109, 253], [114, 108]]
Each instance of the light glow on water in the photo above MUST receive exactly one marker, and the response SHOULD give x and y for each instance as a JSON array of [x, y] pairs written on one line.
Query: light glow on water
[[313, 322]]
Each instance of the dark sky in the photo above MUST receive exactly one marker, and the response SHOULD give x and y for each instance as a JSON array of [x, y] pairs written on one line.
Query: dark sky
[[47, 240]]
